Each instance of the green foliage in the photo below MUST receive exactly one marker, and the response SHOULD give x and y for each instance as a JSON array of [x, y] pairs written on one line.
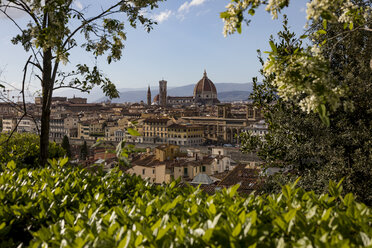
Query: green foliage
[[70, 207], [319, 152], [24, 150]]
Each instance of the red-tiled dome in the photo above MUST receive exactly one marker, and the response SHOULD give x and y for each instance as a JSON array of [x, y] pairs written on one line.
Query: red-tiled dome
[[156, 98], [205, 85]]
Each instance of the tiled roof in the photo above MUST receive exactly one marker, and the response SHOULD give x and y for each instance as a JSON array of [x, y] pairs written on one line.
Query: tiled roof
[[155, 120], [248, 179]]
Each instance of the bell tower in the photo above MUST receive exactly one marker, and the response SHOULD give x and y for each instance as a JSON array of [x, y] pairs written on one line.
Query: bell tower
[[163, 93], [149, 96]]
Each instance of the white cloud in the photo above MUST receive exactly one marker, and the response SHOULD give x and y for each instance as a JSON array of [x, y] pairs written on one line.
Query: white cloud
[[185, 7], [78, 4], [162, 16]]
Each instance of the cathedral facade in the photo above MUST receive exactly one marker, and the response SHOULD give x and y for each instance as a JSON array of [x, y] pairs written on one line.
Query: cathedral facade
[[205, 93]]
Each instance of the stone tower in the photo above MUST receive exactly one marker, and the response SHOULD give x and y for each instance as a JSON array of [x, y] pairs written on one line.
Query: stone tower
[[162, 93], [148, 96]]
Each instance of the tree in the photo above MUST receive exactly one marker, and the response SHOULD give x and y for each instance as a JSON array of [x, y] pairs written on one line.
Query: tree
[[304, 72], [317, 151], [55, 28], [24, 150], [66, 146], [84, 151]]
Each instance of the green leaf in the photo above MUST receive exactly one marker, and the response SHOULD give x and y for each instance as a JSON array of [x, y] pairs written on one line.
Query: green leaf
[[212, 209], [2, 226], [207, 235], [321, 31], [63, 161], [133, 132], [326, 214], [237, 230], [290, 215], [138, 240], [69, 218], [11, 165], [125, 242], [232, 190], [273, 47], [148, 210]]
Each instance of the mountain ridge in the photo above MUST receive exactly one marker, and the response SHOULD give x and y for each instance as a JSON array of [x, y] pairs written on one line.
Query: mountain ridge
[[225, 91]]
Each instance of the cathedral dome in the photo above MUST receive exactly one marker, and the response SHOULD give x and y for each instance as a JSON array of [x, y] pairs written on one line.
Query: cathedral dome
[[205, 87], [156, 98]]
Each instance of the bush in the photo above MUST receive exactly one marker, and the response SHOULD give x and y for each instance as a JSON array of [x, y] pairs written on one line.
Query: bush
[[24, 150], [70, 207]]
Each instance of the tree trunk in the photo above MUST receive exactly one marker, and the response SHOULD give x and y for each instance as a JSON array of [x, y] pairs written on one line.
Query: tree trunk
[[47, 90]]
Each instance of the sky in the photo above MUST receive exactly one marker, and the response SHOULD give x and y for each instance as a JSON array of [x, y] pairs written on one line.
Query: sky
[[187, 40]]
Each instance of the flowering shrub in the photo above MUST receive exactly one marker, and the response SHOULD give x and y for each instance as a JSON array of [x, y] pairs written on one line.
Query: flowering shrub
[[61, 206], [305, 72]]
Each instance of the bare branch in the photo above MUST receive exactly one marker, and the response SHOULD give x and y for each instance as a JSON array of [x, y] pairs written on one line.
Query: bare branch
[[16, 24], [89, 20], [15, 128], [69, 86]]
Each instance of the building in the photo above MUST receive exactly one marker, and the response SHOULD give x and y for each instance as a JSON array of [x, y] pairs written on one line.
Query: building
[[148, 96], [153, 167], [77, 100], [258, 129], [185, 134], [205, 91], [225, 128], [163, 93], [155, 130], [57, 128], [7, 109], [167, 163], [180, 100], [83, 130], [26, 125], [8, 124]]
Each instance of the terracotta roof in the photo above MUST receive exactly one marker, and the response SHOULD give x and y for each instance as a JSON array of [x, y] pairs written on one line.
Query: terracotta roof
[[248, 179], [147, 160], [156, 98], [154, 120], [175, 125], [205, 84], [179, 97]]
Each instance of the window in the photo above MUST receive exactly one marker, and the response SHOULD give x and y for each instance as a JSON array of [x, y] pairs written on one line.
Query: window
[[203, 168], [143, 171], [153, 171], [185, 171]]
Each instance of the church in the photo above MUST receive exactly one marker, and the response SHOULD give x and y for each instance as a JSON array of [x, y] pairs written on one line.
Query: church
[[205, 93]]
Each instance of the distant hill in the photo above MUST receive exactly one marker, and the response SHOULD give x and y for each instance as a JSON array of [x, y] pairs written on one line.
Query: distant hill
[[231, 96], [227, 92]]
